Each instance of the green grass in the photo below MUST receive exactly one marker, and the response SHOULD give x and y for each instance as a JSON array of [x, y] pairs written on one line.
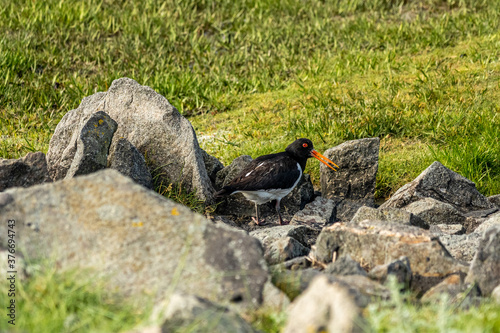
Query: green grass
[[252, 76]]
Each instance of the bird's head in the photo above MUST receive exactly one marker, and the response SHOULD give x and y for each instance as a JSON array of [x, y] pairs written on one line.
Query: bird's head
[[304, 149]]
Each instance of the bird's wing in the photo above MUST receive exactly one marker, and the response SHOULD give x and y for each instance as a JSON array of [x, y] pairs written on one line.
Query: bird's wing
[[267, 172]]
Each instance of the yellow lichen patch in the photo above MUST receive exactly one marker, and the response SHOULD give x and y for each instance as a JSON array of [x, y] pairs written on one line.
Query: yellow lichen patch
[[101, 121], [137, 224], [175, 212]]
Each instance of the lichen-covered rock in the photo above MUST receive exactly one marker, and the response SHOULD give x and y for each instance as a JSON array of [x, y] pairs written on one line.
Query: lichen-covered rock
[[495, 199], [453, 287], [447, 229], [107, 224], [358, 162], [148, 121], [434, 212], [303, 234], [444, 185], [394, 215], [491, 221], [126, 159], [284, 249], [377, 243], [324, 306], [485, 267], [92, 145], [24, 172], [212, 165]]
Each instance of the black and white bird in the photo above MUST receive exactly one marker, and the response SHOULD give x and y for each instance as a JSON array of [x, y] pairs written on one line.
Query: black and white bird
[[272, 177]]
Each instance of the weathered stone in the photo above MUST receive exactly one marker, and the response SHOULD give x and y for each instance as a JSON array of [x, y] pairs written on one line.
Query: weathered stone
[[452, 289], [399, 268], [363, 289], [324, 306], [495, 294], [377, 243], [316, 214], [92, 145], [284, 249], [433, 211], [485, 267], [126, 159], [24, 172], [444, 185], [447, 229], [273, 298], [345, 265], [293, 282], [238, 205], [346, 208], [108, 224], [301, 233], [149, 122], [355, 180], [461, 247], [195, 314], [296, 263], [495, 199], [394, 215], [212, 165], [491, 221]]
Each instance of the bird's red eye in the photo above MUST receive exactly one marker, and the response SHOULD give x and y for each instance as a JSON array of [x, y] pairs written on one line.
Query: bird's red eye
[[304, 145]]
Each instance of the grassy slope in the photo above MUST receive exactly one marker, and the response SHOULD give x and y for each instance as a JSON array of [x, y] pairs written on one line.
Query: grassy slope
[[255, 75]]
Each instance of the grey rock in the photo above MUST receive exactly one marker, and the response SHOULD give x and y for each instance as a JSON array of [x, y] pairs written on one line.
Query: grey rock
[[394, 215], [296, 263], [495, 199], [324, 306], [485, 267], [444, 185], [92, 145], [377, 243], [461, 247], [150, 123], [274, 300], [126, 159], [239, 206], [107, 224], [189, 313], [358, 162], [346, 208], [316, 214], [447, 229], [345, 265], [484, 213], [284, 249], [433, 211], [212, 165], [293, 282], [491, 221], [400, 269], [24, 172], [495, 294], [301, 233], [363, 289]]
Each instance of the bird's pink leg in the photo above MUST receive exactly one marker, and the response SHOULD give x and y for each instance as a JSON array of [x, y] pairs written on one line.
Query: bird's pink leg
[[279, 215], [256, 218]]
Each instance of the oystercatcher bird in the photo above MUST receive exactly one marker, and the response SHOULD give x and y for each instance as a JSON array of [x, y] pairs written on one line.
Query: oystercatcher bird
[[271, 177]]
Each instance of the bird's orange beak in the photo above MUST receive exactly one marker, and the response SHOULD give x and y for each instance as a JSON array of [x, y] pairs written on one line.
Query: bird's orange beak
[[324, 160]]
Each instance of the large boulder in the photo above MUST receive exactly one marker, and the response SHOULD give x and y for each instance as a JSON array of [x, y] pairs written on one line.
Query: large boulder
[[355, 180], [375, 243], [142, 242], [24, 172], [149, 122], [444, 185], [485, 267]]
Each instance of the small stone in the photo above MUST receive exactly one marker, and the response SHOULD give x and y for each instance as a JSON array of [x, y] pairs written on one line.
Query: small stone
[[447, 229], [495, 199], [399, 268], [491, 221], [454, 289], [316, 214], [324, 306], [284, 249], [24, 172], [461, 247]]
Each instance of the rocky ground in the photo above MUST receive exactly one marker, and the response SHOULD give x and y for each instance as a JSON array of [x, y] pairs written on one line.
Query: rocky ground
[[89, 204]]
